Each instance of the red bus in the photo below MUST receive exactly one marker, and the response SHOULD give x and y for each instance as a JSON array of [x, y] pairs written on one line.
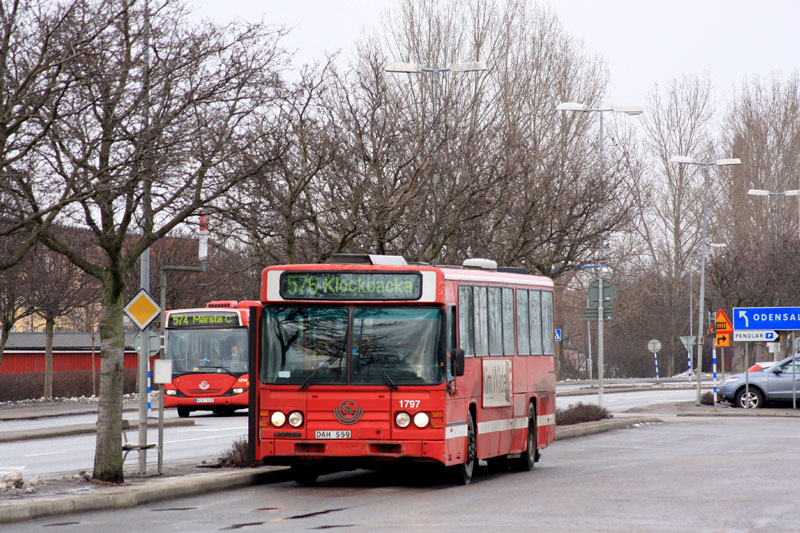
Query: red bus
[[208, 349], [368, 360]]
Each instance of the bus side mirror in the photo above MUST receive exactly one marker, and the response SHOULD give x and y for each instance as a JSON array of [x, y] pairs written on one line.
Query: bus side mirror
[[458, 362]]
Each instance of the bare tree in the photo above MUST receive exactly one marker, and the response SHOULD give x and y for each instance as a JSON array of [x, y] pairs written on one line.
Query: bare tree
[[15, 301], [37, 40], [57, 288], [152, 130], [670, 209]]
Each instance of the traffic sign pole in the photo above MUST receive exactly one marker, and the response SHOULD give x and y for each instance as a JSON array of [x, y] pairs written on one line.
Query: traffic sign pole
[[654, 346], [714, 368], [655, 359]]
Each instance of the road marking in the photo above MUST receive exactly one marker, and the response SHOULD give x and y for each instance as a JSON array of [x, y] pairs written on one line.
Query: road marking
[[43, 454], [204, 438], [209, 430], [9, 469]]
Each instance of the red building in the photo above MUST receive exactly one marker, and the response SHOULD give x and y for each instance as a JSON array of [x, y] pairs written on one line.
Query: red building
[[24, 352]]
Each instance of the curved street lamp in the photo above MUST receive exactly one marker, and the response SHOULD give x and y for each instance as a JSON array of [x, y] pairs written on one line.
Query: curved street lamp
[[577, 107], [416, 68], [776, 195], [685, 160]]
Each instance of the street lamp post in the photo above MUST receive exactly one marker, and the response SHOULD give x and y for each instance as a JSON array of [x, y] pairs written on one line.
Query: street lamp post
[[776, 195], [685, 160], [583, 108], [416, 68]]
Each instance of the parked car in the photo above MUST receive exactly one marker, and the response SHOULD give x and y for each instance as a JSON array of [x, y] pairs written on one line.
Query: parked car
[[761, 366], [773, 384]]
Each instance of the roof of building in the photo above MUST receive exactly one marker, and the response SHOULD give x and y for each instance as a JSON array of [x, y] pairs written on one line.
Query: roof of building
[[62, 341]]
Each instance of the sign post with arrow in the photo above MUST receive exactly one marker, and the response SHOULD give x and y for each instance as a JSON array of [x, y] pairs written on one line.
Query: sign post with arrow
[[722, 340]]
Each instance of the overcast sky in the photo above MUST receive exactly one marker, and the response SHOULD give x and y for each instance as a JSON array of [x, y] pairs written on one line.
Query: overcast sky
[[643, 42]]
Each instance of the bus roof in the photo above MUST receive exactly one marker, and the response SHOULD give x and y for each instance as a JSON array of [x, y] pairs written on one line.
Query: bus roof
[[276, 287]]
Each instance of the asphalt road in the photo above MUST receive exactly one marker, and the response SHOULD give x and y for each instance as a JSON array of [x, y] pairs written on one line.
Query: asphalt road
[[689, 474]]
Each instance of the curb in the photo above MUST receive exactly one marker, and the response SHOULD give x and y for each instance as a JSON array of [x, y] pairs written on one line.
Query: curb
[[590, 428], [744, 413], [81, 429], [131, 495], [615, 389]]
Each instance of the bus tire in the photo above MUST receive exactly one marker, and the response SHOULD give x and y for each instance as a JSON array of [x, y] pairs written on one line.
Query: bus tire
[[462, 474], [527, 459], [304, 474], [183, 411]]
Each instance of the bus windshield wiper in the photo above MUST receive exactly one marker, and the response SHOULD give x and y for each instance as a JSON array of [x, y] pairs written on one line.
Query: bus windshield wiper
[[382, 372], [325, 364], [219, 368]]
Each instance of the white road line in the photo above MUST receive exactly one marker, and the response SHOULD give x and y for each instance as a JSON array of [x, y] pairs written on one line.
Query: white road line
[[204, 438], [43, 454]]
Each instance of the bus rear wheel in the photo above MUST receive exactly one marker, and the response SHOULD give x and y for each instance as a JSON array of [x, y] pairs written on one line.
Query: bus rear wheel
[[183, 412], [462, 474], [527, 459]]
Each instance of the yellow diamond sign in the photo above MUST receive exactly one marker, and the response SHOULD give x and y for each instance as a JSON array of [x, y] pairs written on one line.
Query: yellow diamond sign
[[142, 309]]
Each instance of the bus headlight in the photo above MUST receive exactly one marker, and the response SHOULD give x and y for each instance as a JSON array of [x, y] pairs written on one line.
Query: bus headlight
[[278, 419], [295, 419], [402, 419], [171, 392], [239, 391], [421, 420]]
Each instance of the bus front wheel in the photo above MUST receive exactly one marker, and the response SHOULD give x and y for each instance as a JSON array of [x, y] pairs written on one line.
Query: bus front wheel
[[304, 474], [462, 474], [183, 412]]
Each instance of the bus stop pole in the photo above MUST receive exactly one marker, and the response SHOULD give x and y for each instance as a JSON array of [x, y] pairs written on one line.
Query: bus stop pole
[[160, 429]]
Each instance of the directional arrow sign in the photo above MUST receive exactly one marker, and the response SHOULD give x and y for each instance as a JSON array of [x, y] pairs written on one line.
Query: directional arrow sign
[[754, 335], [766, 318], [722, 340]]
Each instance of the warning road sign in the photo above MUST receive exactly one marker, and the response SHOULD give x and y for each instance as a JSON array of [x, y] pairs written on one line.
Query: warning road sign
[[722, 340], [723, 324]]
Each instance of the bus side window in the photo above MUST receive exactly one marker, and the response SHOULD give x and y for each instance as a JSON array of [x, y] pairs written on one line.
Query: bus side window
[[509, 347], [548, 333], [466, 322], [481, 321], [451, 328]]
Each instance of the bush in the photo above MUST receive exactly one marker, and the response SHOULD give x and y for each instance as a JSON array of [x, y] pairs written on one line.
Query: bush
[[66, 384], [707, 398], [581, 412], [237, 455]]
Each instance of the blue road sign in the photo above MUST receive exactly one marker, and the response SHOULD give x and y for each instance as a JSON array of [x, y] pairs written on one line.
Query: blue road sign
[[558, 335], [766, 318]]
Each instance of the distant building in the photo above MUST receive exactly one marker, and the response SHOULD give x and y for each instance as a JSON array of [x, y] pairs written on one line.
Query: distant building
[[24, 352]]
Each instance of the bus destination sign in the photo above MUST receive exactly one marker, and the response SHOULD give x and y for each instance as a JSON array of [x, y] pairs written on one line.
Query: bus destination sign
[[203, 319], [351, 286]]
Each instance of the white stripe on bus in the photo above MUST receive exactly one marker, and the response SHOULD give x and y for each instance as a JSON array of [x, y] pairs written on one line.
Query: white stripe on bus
[[460, 429], [546, 284]]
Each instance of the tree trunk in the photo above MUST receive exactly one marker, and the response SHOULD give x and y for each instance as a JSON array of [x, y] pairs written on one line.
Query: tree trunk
[[48, 356], [4, 333], [108, 446]]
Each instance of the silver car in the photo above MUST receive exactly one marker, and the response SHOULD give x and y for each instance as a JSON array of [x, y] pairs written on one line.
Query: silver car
[[773, 384]]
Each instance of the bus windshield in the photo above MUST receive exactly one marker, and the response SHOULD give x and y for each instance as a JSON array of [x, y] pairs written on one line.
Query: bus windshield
[[207, 350], [367, 345]]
